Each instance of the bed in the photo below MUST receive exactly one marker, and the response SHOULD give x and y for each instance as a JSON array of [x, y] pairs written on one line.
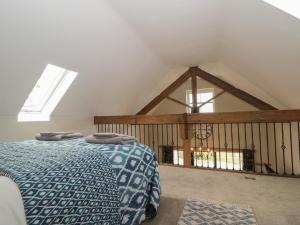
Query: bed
[[74, 182]]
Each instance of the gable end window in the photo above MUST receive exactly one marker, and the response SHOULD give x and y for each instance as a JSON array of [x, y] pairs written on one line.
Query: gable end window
[[203, 95]]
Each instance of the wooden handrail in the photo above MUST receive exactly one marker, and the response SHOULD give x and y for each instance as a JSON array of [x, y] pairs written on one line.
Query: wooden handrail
[[222, 117], [139, 119]]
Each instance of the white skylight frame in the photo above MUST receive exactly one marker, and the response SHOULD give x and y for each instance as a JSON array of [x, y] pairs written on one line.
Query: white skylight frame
[[291, 7], [46, 94]]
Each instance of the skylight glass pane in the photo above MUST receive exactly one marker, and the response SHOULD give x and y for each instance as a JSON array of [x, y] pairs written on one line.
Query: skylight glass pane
[[289, 6], [46, 94], [43, 89]]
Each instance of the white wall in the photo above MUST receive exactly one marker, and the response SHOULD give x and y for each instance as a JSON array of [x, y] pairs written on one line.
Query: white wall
[[113, 62], [11, 130], [89, 37]]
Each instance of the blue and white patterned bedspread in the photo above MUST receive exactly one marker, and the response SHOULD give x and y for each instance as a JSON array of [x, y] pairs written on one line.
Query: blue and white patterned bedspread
[[62, 183], [136, 168], [73, 182]]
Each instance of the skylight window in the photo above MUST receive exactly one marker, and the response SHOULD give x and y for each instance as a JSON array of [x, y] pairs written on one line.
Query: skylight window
[[291, 7], [46, 94]]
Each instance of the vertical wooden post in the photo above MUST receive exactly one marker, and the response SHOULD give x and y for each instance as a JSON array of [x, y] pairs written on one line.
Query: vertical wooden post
[[186, 136], [194, 93]]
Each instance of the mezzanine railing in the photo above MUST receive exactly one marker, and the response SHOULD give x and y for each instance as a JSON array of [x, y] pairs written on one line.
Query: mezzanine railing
[[264, 142]]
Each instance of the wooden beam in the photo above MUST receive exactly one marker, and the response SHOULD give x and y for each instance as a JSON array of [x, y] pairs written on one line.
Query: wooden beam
[[187, 156], [165, 93], [186, 135], [264, 116], [139, 119], [205, 149], [179, 102], [216, 96], [267, 116], [250, 99], [194, 93]]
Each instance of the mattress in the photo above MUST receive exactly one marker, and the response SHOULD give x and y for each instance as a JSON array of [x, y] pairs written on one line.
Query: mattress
[[136, 172], [11, 204]]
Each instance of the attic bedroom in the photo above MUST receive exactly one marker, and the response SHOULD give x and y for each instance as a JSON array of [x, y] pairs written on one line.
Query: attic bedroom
[[170, 112]]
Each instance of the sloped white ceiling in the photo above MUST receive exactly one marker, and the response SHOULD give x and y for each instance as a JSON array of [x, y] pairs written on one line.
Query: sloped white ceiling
[[182, 32], [85, 36], [262, 43], [258, 41], [122, 49]]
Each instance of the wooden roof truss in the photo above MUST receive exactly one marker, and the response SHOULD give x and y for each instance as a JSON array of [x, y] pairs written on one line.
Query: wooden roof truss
[[193, 73]]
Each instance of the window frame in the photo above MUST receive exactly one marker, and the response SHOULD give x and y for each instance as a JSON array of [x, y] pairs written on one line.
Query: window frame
[[200, 91], [59, 84]]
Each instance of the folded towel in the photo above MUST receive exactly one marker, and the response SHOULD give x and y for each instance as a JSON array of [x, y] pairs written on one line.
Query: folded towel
[[48, 138], [106, 135], [72, 135], [59, 137], [121, 140], [50, 134]]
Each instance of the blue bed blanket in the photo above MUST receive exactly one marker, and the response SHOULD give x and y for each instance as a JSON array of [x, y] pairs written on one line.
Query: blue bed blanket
[[73, 182], [136, 169]]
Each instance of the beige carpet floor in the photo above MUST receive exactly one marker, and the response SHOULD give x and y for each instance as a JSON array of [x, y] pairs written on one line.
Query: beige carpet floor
[[275, 200], [169, 212]]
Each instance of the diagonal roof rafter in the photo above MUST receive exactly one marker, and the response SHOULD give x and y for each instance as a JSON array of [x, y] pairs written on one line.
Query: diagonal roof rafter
[[194, 72]]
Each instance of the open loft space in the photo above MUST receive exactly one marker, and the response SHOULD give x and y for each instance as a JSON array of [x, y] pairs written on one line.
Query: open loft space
[[161, 112]]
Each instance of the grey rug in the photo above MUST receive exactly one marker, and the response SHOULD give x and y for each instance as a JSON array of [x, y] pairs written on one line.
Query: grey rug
[[211, 213]]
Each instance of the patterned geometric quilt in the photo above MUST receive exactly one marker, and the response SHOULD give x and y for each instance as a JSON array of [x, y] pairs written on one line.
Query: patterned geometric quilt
[[138, 179], [73, 182]]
